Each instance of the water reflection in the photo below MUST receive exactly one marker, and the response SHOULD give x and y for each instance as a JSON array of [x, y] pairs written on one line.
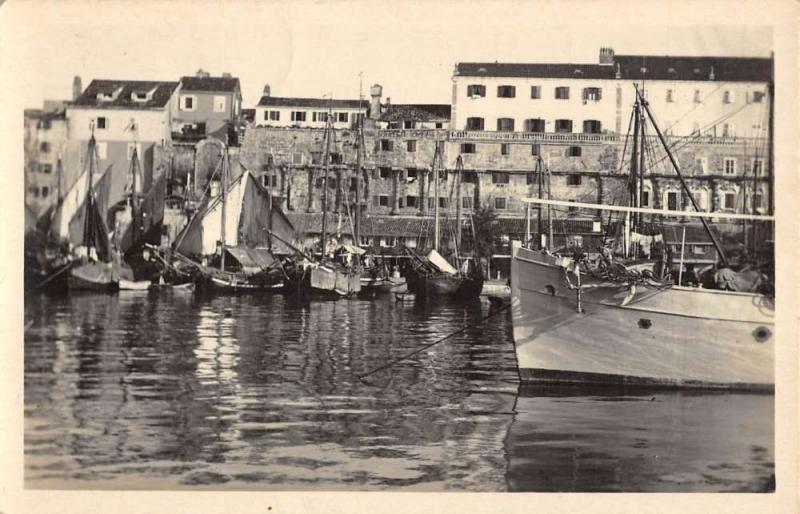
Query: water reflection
[[165, 390]]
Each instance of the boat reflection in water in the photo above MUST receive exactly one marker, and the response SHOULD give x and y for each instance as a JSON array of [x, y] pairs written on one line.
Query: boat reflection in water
[[582, 439], [163, 390]]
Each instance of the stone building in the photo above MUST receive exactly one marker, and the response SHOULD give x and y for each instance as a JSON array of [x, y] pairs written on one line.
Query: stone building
[[45, 143], [208, 106]]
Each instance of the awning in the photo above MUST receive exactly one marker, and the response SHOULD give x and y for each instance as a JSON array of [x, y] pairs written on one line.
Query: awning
[[251, 259], [440, 262]]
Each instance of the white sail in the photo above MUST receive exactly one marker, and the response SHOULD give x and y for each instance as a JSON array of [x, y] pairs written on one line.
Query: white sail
[[70, 205], [212, 219]]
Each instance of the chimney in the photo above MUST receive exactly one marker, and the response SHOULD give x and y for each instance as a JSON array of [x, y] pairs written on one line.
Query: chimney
[[375, 104], [266, 90], [202, 74], [226, 75], [606, 55], [77, 88]]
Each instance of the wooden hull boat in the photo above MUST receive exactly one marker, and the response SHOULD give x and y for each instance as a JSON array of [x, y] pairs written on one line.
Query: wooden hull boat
[[636, 335]]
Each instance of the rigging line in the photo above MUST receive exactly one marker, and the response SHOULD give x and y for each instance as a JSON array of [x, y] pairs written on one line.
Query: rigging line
[[625, 146], [696, 105], [198, 213], [679, 145], [425, 347]]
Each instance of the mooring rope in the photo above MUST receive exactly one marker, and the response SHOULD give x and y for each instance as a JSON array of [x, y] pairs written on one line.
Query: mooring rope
[[395, 361], [49, 279]]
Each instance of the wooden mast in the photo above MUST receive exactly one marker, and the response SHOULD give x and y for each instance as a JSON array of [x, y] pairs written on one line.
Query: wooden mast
[[359, 145], [224, 187], [88, 224], [459, 170], [324, 234], [436, 158]]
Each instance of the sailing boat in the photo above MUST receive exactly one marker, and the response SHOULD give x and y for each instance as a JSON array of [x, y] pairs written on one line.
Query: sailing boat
[[433, 275], [139, 215], [616, 325], [229, 241], [96, 265], [327, 276]]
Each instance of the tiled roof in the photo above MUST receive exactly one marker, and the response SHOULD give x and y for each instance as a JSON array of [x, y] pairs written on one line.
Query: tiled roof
[[725, 69], [416, 112], [732, 69], [212, 84], [312, 102], [161, 95]]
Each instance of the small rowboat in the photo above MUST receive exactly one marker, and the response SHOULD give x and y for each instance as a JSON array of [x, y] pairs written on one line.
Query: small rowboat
[[133, 285]]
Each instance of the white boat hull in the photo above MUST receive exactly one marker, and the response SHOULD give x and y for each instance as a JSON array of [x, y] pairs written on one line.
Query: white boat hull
[[683, 337]]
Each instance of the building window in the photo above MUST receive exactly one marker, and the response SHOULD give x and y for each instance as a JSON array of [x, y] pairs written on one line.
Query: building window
[[467, 147], [757, 201], [505, 124], [470, 177], [504, 147], [45, 191], [728, 97], [43, 125], [697, 98], [342, 117], [574, 151], [387, 145], [592, 127], [534, 125], [758, 167], [574, 180], [298, 116], [536, 150], [730, 200], [466, 202], [645, 198], [730, 166], [102, 123], [474, 123], [758, 96], [275, 115], [698, 250], [700, 166], [411, 173], [385, 172], [499, 177], [670, 97], [219, 103], [411, 201], [672, 201], [383, 201], [102, 150], [564, 126], [44, 147], [536, 92], [500, 203], [728, 130], [442, 202], [187, 103], [319, 116], [411, 145], [46, 168], [409, 124], [592, 94], [476, 90], [562, 93], [506, 91], [439, 124]]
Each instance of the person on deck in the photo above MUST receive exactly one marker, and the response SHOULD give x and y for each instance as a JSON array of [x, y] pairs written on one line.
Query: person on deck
[[689, 277], [725, 279]]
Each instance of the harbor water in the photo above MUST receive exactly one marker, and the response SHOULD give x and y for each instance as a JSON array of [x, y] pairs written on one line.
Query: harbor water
[[167, 390]]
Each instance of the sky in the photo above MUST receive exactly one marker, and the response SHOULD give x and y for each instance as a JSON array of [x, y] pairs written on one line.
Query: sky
[[320, 48]]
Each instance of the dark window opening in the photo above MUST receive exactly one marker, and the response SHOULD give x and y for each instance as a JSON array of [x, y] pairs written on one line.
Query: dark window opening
[[534, 125], [592, 127], [476, 90], [474, 123], [505, 124], [387, 145], [411, 145], [499, 203], [564, 126], [506, 91], [574, 180], [562, 93], [504, 148], [536, 92], [499, 177], [467, 147], [574, 151]]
